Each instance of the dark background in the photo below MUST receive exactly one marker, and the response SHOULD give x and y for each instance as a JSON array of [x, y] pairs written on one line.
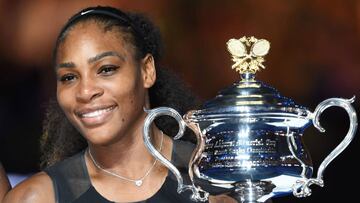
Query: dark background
[[314, 55]]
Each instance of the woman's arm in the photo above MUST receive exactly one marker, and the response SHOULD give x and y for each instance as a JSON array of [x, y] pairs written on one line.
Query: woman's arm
[[38, 188], [4, 183]]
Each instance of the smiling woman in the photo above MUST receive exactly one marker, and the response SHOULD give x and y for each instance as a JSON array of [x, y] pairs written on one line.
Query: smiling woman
[[107, 67], [103, 92]]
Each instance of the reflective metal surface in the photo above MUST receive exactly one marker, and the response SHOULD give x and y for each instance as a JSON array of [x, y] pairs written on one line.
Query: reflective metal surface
[[249, 137]]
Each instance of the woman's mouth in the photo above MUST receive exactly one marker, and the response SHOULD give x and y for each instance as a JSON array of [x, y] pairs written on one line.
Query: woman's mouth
[[95, 116]]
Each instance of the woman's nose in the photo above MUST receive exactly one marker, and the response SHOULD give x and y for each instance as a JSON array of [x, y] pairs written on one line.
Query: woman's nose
[[88, 90]]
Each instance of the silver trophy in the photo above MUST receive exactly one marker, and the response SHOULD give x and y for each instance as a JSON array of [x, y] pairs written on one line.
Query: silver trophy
[[249, 137]]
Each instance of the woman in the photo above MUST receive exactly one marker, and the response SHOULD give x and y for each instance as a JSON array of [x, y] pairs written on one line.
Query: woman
[[106, 64]]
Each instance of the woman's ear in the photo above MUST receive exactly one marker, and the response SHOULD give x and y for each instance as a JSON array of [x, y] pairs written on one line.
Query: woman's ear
[[148, 71]]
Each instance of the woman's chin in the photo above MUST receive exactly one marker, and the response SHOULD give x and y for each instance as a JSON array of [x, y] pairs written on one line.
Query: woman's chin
[[99, 135]]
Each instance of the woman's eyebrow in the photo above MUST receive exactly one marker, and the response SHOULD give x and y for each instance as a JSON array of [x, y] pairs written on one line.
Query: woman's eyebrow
[[65, 65], [105, 54], [91, 60]]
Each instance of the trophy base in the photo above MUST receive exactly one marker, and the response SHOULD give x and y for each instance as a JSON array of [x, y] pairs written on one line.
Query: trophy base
[[250, 192]]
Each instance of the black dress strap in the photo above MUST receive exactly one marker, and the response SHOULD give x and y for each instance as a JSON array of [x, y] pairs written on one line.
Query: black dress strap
[[68, 178]]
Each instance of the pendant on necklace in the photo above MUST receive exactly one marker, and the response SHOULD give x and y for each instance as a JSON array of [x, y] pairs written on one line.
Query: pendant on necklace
[[138, 183]]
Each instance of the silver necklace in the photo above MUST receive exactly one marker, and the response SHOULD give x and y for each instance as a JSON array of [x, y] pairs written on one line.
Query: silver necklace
[[137, 182]]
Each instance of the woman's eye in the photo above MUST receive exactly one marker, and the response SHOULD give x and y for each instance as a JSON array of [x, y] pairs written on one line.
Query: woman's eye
[[67, 78], [107, 70]]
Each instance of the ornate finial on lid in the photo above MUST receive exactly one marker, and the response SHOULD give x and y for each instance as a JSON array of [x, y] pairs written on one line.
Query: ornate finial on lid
[[248, 62]]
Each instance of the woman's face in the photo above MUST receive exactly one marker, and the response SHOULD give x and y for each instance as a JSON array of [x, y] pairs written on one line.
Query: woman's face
[[100, 87]]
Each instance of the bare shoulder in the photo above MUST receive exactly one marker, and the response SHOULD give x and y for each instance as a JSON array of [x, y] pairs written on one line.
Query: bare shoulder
[[37, 188]]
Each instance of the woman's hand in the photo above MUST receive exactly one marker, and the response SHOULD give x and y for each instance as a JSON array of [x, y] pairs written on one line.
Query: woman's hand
[[226, 199], [221, 199]]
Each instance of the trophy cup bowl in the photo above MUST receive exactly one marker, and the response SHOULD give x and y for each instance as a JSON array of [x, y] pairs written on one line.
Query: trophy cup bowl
[[249, 137]]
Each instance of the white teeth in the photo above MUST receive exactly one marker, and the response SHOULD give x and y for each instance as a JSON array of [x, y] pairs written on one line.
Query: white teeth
[[96, 113]]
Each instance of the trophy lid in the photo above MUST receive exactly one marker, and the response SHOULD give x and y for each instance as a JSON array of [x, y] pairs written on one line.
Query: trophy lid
[[249, 97]]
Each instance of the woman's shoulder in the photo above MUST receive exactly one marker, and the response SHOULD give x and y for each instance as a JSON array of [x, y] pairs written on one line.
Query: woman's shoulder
[[40, 186], [37, 188]]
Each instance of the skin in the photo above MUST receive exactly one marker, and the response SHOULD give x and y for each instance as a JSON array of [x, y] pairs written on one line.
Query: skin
[[102, 90], [4, 183]]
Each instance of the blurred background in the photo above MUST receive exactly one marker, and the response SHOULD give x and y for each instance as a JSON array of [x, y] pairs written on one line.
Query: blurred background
[[314, 55]]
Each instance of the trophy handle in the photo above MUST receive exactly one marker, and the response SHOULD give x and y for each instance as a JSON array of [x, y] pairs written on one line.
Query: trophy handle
[[198, 194], [304, 184]]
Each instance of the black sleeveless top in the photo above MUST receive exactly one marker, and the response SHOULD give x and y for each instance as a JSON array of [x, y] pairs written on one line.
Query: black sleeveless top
[[72, 183]]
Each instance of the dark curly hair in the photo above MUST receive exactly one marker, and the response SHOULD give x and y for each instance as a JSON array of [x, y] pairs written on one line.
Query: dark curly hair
[[60, 139]]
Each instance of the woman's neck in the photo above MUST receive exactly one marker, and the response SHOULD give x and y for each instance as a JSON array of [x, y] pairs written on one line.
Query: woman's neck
[[128, 156]]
